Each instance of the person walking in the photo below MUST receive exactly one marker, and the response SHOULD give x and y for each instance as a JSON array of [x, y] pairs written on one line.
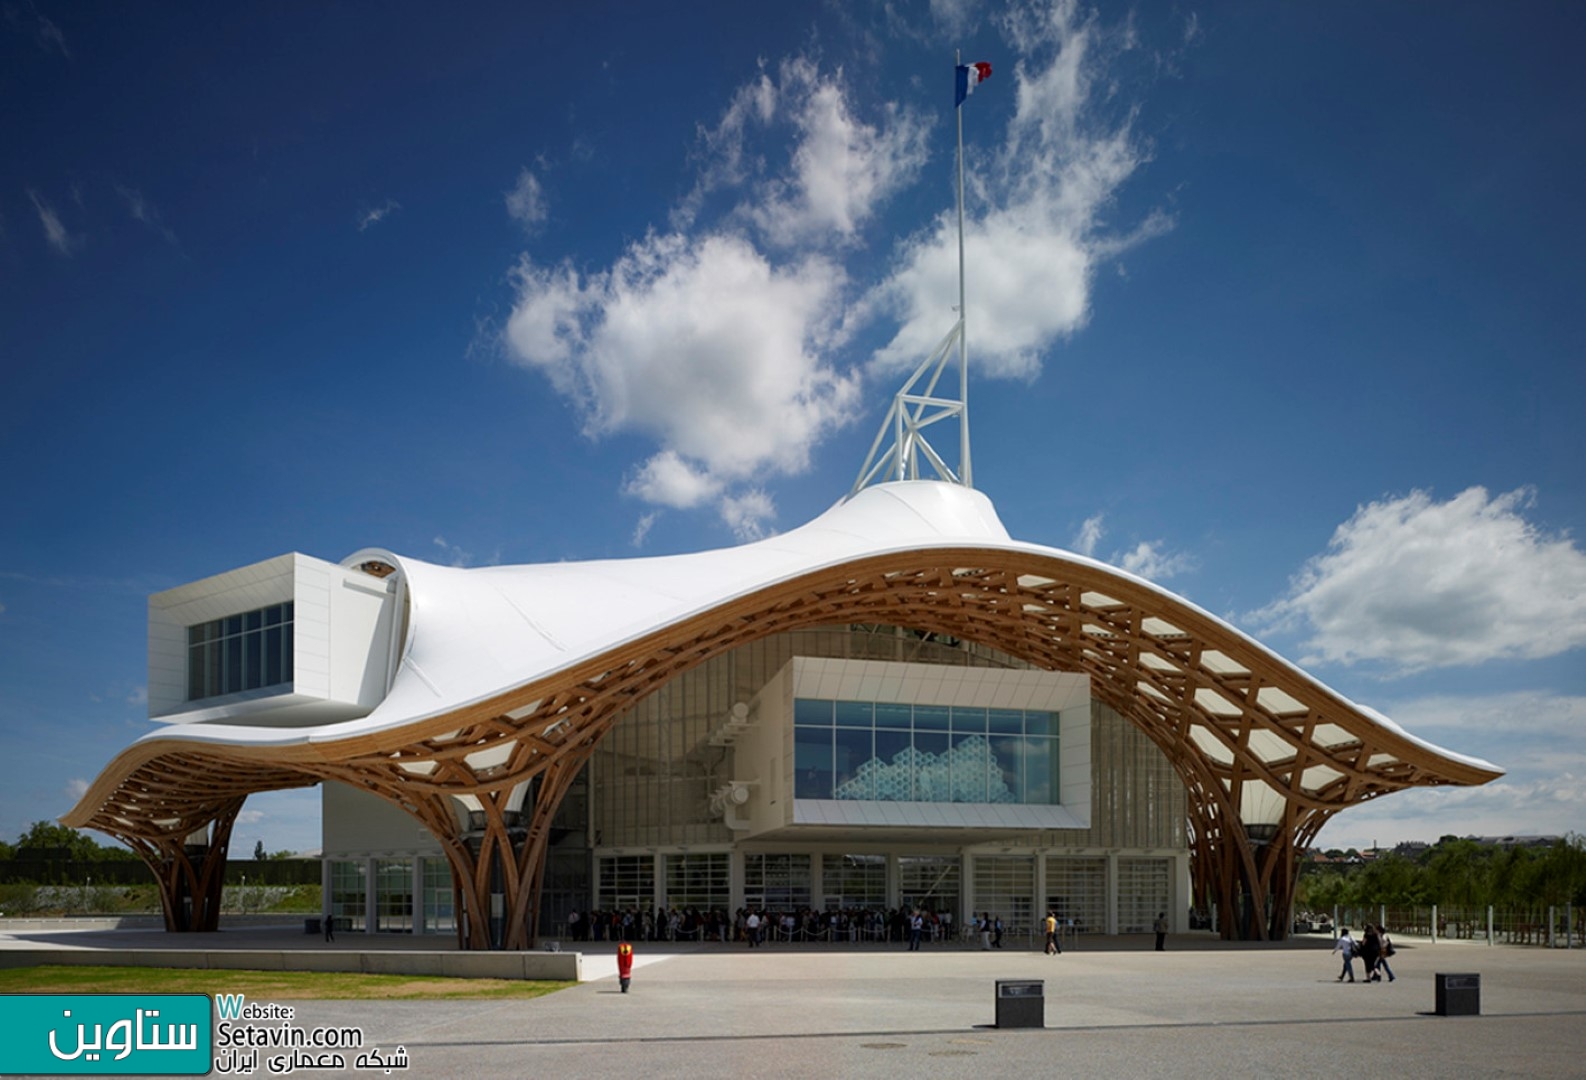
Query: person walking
[[1387, 951], [1053, 946], [330, 927], [985, 930], [996, 930], [1346, 945], [916, 930], [1160, 926], [1370, 953]]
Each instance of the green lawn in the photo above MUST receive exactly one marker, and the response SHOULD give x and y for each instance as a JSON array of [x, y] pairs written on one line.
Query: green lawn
[[262, 985]]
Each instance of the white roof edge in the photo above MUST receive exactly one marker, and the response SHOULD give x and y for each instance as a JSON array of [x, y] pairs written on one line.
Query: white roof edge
[[475, 633]]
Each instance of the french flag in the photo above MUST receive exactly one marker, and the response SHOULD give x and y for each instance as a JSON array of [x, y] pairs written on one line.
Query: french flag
[[970, 76]]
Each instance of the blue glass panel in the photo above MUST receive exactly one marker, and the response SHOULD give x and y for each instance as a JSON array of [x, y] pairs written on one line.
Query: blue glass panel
[[1040, 771], [272, 655], [930, 717], [807, 712], [855, 714], [854, 764], [1040, 723], [894, 779], [233, 665], [889, 715], [812, 763], [969, 720], [969, 765], [1007, 761], [932, 774], [1007, 722], [253, 670]]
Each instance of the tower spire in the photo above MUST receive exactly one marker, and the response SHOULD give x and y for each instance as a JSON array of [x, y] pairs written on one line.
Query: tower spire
[[918, 404]]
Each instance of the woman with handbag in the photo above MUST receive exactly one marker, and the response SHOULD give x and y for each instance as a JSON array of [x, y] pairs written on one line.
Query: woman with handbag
[[1382, 956]]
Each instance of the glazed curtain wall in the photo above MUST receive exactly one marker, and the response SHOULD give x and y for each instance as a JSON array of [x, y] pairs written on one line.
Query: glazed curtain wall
[[652, 777], [923, 753]]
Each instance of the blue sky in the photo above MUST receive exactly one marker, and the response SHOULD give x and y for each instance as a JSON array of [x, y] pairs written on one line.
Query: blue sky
[[1276, 305]]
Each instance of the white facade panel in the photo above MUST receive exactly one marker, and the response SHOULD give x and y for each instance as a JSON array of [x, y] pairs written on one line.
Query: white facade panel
[[357, 824], [341, 648]]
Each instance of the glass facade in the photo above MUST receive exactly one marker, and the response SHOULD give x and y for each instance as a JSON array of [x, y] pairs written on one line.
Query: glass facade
[[1005, 887], [1143, 890], [929, 882], [627, 881], [347, 895], [393, 896], [923, 753], [700, 881], [240, 652], [1076, 890], [439, 913], [854, 881], [778, 882]]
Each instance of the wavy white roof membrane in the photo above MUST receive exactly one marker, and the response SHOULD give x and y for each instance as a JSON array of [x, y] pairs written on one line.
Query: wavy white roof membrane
[[475, 632], [516, 672]]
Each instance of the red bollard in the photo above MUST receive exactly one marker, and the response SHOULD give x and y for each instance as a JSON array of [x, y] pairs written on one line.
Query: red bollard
[[624, 965]]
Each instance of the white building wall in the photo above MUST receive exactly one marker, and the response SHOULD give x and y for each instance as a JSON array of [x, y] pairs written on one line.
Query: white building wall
[[342, 624], [355, 824]]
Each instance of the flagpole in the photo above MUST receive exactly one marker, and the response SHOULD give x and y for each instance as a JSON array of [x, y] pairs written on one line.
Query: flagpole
[[967, 473]]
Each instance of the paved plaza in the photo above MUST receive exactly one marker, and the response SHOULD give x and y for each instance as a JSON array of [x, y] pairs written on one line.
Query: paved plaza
[[1113, 1008]]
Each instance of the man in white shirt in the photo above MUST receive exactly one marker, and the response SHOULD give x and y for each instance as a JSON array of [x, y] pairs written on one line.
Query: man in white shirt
[[1346, 945]]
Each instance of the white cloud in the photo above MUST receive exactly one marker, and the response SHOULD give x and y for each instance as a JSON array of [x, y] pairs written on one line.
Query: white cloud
[[1415, 584], [722, 337], [704, 344], [51, 38], [954, 16], [1035, 229], [455, 556], [747, 515], [1089, 535], [54, 231], [1147, 559], [839, 172], [668, 480], [526, 201], [641, 530], [374, 215], [724, 158], [76, 788], [138, 695], [1533, 735], [842, 168], [142, 210], [249, 817]]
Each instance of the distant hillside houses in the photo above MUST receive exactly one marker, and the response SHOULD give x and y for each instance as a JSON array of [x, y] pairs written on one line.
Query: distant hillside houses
[[1415, 849]]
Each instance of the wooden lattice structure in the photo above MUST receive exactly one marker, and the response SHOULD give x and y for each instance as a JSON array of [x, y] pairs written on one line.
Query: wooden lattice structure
[[1266, 753]]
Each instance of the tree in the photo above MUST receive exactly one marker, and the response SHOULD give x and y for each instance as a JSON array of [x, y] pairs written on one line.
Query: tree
[[258, 851], [47, 840]]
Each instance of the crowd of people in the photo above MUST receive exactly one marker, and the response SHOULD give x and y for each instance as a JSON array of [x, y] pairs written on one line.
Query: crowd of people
[[755, 926]]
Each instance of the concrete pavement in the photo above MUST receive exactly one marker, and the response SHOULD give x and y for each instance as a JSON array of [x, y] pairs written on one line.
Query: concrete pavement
[[1113, 1007]]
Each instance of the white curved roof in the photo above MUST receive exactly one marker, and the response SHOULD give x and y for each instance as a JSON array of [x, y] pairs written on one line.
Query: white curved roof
[[478, 634]]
